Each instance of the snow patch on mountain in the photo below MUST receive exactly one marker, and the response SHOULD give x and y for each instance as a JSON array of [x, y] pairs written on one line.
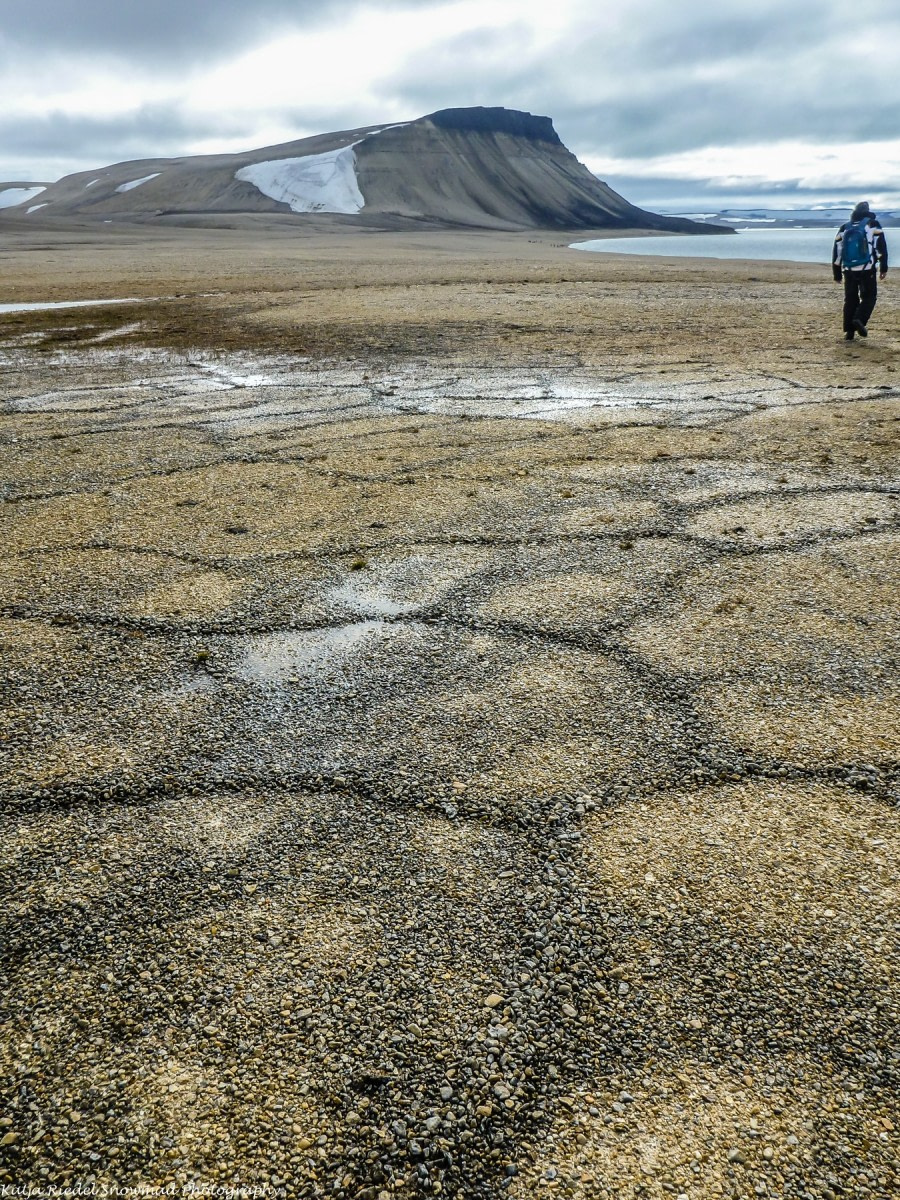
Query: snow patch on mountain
[[126, 187], [10, 197], [317, 183], [324, 183]]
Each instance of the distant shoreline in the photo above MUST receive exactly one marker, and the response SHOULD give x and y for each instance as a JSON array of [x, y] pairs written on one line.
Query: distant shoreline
[[804, 244]]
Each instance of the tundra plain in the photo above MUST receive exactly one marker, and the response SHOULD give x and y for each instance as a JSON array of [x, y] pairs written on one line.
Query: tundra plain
[[449, 730]]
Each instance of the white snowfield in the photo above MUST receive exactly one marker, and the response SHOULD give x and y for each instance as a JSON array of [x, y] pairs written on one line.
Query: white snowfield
[[324, 183], [126, 187], [10, 197], [316, 183], [35, 207]]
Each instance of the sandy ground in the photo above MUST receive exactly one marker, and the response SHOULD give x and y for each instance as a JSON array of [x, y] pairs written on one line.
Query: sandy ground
[[449, 720]]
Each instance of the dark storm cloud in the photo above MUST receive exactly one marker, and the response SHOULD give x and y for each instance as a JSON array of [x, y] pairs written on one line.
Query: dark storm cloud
[[173, 30]]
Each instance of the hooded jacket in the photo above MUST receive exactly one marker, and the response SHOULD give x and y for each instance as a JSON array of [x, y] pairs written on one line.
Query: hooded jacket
[[878, 253]]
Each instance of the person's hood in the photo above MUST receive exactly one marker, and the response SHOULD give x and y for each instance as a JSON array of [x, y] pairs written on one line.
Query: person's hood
[[861, 210]]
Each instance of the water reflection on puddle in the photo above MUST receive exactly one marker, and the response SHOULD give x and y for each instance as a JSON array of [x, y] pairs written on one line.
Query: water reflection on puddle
[[277, 657], [34, 306], [243, 395], [368, 600], [521, 396]]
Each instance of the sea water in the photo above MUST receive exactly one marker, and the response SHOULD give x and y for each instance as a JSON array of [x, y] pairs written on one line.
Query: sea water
[[788, 245]]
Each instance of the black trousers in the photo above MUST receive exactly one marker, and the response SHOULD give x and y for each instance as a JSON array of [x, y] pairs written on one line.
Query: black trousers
[[860, 294]]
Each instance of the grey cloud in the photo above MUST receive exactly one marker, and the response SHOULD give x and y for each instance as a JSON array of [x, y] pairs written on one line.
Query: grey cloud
[[44, 146], [176, 31], [676, 194], [662, 80], [477, 67], [703, 114], [737, 33], [331, 119], [669, 80], [58, 144]]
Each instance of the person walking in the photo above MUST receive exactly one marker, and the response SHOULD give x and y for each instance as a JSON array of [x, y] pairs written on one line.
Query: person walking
[[860, 252]]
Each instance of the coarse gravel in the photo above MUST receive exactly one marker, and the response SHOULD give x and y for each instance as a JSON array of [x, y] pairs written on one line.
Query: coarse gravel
[[449, 775]]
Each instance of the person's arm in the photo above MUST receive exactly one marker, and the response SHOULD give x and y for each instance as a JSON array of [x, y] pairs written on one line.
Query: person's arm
[[836, 256], [881, 250]]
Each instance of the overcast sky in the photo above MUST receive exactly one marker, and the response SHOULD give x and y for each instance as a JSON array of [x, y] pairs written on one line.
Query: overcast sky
[[667, 101]]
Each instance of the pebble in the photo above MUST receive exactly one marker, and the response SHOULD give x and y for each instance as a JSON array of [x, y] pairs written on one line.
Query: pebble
[[269, 919]]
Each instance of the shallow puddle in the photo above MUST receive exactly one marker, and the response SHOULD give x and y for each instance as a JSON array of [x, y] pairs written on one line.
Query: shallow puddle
[[279, 657], [34, 306], [528, 397], [369, 600], [245, 395]]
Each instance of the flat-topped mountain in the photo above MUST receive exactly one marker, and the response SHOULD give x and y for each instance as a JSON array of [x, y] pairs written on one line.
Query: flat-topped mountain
[[491, 168]]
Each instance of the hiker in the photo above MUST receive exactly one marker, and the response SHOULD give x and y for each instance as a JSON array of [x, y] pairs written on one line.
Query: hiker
[[860, 250]]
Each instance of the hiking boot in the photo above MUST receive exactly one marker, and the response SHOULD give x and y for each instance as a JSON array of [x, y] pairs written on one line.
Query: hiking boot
[[849, 335], [860, 328]]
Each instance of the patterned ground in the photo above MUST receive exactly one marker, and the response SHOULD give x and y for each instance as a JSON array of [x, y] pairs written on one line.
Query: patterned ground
[[466, 767]]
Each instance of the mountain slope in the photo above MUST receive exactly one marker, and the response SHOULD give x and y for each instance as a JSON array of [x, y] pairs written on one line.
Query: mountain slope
[[477, 167]]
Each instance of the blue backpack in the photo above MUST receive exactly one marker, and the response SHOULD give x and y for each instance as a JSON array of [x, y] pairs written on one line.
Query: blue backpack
[[855, 250]]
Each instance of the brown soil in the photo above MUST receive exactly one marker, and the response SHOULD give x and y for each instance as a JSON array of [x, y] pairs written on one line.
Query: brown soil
[[448, 719], [269, 286]]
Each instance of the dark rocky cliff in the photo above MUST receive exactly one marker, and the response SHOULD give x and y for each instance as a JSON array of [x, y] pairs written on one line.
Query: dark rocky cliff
[[495, 120]]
